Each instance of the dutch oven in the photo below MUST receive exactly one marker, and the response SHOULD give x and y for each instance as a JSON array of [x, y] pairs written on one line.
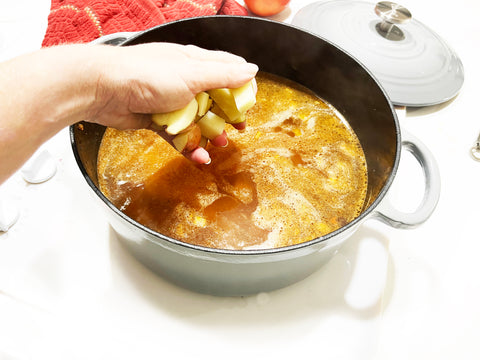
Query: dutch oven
[[332, 74]]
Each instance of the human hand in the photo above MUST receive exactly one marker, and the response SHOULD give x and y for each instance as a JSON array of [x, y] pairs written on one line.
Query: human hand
[[162, 77], [114, 86]]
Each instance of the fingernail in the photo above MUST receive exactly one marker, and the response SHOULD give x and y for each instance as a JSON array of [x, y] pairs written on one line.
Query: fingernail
[[250, 68], [208, 162], [255, 87]]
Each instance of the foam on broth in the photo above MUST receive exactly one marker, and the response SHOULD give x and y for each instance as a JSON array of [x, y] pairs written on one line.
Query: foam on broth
[[296, 173]]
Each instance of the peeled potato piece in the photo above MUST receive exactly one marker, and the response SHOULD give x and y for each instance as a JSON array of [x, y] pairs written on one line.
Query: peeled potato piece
[[211, 125], [204, 102], [234, 102], [244, 97], [178, 120], [224, 99]]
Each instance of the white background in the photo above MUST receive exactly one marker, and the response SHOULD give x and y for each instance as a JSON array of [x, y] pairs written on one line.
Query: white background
[[69, 290]]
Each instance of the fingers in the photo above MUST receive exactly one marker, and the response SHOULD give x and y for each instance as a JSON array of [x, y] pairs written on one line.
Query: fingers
[[211, 75], [166, 76], [201, 54], [221, 140], [199, 156], [216, 69], [240, 126]]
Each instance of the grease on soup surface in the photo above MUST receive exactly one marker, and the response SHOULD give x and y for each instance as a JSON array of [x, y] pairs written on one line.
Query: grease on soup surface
[[296, 173]]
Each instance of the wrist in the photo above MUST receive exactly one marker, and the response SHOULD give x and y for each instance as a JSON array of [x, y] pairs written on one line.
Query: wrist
[[55, 87], [41, 93], [70, 92]]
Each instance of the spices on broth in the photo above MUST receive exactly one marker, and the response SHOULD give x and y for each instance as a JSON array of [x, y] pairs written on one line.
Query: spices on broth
[[297, 172]]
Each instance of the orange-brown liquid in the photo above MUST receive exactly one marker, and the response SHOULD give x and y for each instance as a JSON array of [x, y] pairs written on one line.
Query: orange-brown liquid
[[296, 173]]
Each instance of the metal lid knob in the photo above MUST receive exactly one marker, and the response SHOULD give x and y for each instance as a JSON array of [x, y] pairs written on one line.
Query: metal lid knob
[[391, 14]]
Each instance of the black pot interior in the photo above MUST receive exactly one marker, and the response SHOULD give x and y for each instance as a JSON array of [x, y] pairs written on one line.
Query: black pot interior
[[294, 54]]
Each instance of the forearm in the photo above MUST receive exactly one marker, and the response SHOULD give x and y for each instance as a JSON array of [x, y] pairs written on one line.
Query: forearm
[[40, 93]]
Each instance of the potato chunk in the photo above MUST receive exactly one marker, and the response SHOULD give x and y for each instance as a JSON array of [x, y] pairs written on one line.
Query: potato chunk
[[211, 125], [178, 120], [204, 102], [188, 140], [208, 111], [244, 97]]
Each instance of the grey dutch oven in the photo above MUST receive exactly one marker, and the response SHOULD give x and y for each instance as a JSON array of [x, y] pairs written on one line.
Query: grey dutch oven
[[337, 78]]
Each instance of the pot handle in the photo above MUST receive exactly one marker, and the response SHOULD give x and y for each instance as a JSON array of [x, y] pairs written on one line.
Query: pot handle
[[114, 39], [388, 214]]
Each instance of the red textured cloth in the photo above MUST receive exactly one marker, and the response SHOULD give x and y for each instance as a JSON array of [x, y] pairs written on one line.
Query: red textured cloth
[[77, 21]]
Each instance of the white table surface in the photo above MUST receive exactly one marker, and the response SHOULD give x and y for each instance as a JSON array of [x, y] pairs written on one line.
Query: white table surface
[[69, 290]]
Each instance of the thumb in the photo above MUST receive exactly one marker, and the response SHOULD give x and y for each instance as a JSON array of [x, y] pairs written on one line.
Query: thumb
[[131, 121]]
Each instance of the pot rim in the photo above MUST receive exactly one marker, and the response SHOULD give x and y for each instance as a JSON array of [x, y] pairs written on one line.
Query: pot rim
[[155, 236]]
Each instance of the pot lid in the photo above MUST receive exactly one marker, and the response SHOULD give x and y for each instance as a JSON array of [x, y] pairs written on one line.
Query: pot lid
[[413, 64]]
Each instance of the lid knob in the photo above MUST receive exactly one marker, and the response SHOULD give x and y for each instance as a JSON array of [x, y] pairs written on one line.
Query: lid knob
[[391, 14]]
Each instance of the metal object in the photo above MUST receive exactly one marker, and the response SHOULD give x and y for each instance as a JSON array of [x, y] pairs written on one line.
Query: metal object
[[327, 71], [475, 150], [114, 39], [414, 65], [391, 14]]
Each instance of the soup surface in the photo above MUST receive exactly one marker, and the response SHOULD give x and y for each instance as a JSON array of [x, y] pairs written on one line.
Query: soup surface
[[296, 173]]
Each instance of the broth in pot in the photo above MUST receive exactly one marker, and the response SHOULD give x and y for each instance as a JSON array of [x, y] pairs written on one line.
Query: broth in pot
[[297, 172]]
